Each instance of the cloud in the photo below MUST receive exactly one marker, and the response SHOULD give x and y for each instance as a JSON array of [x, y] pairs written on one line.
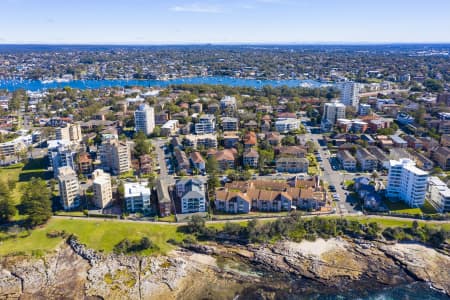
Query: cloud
[[197, 8]]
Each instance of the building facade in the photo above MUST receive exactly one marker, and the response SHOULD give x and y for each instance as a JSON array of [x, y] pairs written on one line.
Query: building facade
[[406, 182], [69, 188], [349, 93], [102, 188], [438, 194], [144, 119], [137, 197], [115, 156]]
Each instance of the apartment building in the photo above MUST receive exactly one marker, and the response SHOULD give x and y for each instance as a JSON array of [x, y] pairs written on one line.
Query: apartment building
[[366, 160], [348, 162], [192, 195], [102, 188], [169, 128], [205, 124], [204, 140], [115, 156], [438, 194], [250, 158], [292, 165], [332, 112], [230, 124], [69, 188], [144, 119], [349, 93], [137, 197], [285, 125], [69, 132], [406, 182]]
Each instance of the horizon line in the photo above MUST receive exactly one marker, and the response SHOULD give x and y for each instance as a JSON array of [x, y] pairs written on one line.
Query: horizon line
[[311, 43]]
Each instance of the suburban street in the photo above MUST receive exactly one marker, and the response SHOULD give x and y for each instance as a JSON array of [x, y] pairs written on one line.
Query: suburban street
[[332, 177]]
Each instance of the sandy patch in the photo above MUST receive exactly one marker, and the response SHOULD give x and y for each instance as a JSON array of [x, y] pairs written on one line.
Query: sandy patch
[[318, 247]]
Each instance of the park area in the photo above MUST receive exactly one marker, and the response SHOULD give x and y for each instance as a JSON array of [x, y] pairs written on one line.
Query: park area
[[19, 174]]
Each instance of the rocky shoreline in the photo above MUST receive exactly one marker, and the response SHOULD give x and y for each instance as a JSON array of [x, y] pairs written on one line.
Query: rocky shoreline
[[224, 271]]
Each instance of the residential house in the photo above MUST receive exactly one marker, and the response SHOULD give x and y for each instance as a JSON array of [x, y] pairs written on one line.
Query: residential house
[[398, 142], [274, 138], [249, 140], [197, 161], [182, 160], [225, 158], [442, 157], [413, 142], [250, 158], [164, 200]]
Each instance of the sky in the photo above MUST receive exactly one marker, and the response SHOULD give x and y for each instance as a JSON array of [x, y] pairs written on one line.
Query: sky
[[230, 21]]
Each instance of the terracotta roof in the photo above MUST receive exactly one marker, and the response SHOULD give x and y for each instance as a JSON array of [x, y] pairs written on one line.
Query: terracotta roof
[[251, 153], [250, 138], [196, 157]]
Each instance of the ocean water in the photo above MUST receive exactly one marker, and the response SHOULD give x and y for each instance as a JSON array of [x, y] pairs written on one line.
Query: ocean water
[[413, 291], [36, 85]]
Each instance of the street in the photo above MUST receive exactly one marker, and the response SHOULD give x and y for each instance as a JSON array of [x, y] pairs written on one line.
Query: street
[[332, 177]]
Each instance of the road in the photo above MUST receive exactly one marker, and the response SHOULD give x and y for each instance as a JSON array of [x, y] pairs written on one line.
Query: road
[[332, 177], [159, 143]]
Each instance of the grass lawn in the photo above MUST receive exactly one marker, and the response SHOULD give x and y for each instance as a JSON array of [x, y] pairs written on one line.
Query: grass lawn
[[96, 234], [402, 208], [22, 174]]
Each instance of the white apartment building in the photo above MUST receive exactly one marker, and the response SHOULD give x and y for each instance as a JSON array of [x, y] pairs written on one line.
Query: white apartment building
[[69, 189], [137, 197], [364, 109], [192, 194], [69, 132], [230, 124], [228, 103], [169, 128], [349, 93], [438, 194], [102, 188], [331, 113], [406, 182], [285, 125], [205, 124], [115, 156], [144, 119]]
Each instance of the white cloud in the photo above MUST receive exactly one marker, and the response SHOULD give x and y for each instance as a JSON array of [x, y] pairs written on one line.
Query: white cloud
[[197, 8]]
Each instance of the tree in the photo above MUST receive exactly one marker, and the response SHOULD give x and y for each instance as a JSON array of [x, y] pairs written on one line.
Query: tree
[[36, 202], [7, 208], [212, 166], [433, 85], [141, 144]]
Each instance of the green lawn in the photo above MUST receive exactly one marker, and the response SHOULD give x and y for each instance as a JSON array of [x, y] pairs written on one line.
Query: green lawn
[[101, 235], [402, 208], [22, 173]]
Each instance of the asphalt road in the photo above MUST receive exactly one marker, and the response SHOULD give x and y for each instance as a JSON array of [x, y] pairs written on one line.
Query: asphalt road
[[332, 177]]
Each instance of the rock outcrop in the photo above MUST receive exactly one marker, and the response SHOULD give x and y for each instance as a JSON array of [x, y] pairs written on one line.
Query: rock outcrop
[[222, 271]]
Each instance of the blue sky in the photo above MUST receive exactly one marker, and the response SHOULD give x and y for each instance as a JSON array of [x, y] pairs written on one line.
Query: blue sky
[[231, 21]]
